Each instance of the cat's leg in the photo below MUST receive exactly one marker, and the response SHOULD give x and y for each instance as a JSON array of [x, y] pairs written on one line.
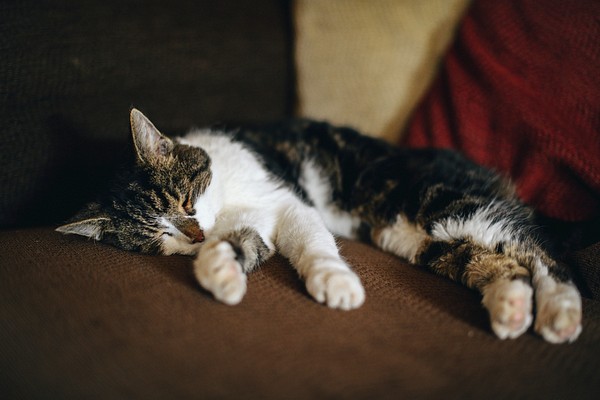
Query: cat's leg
[[559, 310], [494, 251], [504, 285], [558, 302], [303, 238], [219, 272], [228, 255], [504, 229]]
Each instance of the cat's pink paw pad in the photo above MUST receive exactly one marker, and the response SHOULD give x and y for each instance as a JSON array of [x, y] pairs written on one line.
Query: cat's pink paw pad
[[558, 318], [218, 271], [509, 305], [337, 288]]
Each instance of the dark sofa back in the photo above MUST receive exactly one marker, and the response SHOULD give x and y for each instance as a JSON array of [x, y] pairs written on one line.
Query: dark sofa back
[[70, 71]]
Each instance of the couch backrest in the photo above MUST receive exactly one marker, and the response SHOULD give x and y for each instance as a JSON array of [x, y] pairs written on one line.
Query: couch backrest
[[70, 71]]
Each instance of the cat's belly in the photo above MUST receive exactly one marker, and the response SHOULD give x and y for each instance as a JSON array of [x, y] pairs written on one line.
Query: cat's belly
[[340, 223], [318, 189]]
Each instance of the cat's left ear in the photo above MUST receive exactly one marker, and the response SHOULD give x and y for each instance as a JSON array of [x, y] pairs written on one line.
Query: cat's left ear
[[91, 222], [92, 228], [151, 146]]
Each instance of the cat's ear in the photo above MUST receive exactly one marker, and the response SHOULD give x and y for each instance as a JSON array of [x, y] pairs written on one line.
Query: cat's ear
[[91, 222], [92, 228], [151, 146]]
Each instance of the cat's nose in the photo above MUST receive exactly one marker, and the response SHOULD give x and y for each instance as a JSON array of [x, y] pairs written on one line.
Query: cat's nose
[[194, 233], [190, 228], [197, 237]]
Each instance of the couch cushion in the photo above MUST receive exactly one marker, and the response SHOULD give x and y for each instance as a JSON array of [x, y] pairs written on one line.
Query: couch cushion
[[83, 320], [367, 63], [70, 71]]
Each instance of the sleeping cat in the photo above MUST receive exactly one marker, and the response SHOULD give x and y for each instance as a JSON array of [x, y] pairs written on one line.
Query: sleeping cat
[[234, 197]]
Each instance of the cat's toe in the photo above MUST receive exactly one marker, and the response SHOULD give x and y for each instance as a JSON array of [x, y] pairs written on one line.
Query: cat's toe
[[336, 288], [218, 271], [558, 318], [231, 289], [509, 305]]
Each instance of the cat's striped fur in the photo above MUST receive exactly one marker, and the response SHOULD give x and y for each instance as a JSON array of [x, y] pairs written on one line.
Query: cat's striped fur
[[235, 196]]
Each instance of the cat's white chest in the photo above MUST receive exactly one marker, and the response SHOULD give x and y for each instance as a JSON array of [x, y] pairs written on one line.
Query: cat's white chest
[[239, 182]]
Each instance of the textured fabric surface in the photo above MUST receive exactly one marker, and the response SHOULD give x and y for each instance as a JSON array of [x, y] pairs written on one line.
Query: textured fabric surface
[[520, 91], [83, 320], [367, 63], [70, 71], [586, 262]]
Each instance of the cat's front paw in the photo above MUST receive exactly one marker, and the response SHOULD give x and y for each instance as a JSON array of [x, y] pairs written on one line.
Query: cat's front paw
[[509, 305], [218, 271], [558, 317], [336, 288]]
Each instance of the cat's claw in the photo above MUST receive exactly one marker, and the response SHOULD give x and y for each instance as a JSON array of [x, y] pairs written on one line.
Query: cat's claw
[[337, 288], [558, 318], [218, 271], [509, 305]]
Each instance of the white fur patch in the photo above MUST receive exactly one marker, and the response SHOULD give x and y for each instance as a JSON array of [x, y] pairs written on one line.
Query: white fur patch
[[319, 191], [480, 228], [207, 205]]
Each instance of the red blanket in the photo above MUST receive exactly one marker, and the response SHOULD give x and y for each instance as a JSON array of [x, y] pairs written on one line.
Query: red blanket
[[519, 91]]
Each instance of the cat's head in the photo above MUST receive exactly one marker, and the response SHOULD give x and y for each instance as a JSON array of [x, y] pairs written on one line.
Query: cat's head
[[152, 207]]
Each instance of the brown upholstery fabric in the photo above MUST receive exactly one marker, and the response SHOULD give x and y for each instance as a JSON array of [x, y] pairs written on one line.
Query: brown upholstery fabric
[[588, 268], [83, 320], [70, 71]]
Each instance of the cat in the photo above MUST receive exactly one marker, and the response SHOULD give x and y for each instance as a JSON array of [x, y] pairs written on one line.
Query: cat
[[233, 197]]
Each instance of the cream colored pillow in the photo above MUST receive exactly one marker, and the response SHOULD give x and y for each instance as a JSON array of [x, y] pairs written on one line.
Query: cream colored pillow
[[366, 63]]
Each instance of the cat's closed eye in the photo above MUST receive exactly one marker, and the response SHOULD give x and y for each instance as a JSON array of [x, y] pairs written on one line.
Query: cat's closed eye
[[188, 206]]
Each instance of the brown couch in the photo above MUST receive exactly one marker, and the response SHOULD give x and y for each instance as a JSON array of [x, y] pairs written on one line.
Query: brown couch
[[80, 319]]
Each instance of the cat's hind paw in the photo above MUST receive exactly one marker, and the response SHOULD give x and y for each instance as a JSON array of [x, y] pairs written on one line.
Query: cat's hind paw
[[509, 305], [558, 318], [218, 271], [337, 288]]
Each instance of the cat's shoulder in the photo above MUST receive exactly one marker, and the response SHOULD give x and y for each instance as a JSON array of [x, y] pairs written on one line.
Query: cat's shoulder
[[202, 137], [215, 142]]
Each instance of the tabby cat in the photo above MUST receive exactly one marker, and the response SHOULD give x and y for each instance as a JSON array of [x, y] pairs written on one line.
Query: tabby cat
[[234, 197]]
